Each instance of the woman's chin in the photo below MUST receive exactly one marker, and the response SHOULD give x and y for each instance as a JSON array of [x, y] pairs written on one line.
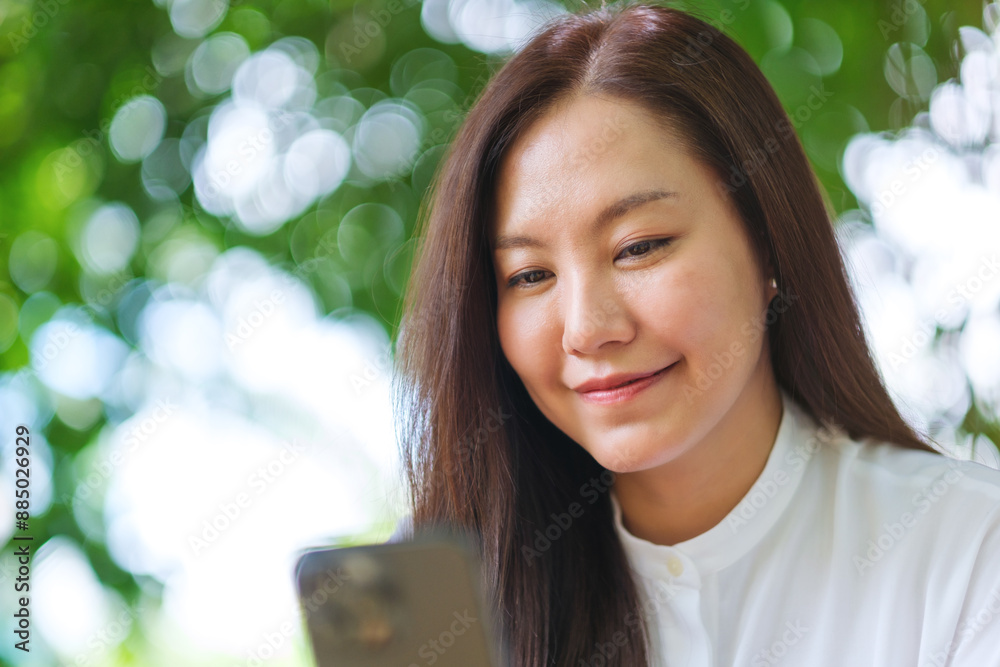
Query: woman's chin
[[624, 460]]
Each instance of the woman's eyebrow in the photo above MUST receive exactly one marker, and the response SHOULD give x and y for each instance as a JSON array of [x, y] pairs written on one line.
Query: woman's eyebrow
[[609, 214]]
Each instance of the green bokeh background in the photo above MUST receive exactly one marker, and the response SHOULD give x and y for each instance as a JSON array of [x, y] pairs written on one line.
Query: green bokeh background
[[63, 80]]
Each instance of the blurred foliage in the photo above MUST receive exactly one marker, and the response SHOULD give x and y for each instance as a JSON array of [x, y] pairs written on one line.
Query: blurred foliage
[[67, 67]]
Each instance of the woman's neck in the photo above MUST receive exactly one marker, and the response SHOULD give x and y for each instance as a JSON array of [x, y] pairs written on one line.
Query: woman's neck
[[693, 492]]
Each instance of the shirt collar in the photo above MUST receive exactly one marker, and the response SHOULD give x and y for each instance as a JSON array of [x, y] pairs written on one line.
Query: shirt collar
[[797, 440]]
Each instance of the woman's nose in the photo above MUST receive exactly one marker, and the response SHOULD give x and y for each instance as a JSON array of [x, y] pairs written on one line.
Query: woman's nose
[[593, 316]]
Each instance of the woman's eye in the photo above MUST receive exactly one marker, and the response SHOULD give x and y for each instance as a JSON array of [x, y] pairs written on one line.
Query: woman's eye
[[645, 247], [640, 249], [518, 280]]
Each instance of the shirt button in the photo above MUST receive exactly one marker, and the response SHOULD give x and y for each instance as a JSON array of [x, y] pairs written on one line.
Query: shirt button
[[675, 566]]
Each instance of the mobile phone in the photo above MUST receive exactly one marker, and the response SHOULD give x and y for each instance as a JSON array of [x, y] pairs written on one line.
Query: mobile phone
[[404, 604]]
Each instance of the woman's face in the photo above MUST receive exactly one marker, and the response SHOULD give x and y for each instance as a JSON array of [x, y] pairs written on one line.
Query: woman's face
[[616, 252]]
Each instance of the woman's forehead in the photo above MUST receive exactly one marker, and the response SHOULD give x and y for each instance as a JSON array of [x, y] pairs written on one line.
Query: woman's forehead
[[588, 135]]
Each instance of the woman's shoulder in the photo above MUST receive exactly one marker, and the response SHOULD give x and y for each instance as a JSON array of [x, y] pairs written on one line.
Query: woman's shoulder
[[891, 466], [880, 493], [928, 527], [935, 517]]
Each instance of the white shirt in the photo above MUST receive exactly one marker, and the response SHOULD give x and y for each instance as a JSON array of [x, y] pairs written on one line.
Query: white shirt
[[843, 553]]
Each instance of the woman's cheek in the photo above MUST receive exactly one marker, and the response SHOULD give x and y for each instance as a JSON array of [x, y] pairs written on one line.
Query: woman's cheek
[[521, 330]]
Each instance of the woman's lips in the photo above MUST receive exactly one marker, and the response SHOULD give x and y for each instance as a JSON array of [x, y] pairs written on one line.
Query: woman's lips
[[626, 391]]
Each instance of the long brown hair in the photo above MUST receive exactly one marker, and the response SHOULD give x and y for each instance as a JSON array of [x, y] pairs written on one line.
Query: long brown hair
[[477, 453]]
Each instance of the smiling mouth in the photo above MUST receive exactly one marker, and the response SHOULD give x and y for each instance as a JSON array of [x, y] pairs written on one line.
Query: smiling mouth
[[610, 396], [646, 377], [625, 384]]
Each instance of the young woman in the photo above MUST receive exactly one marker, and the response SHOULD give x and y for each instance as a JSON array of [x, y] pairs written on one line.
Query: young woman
[[634, 370]]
